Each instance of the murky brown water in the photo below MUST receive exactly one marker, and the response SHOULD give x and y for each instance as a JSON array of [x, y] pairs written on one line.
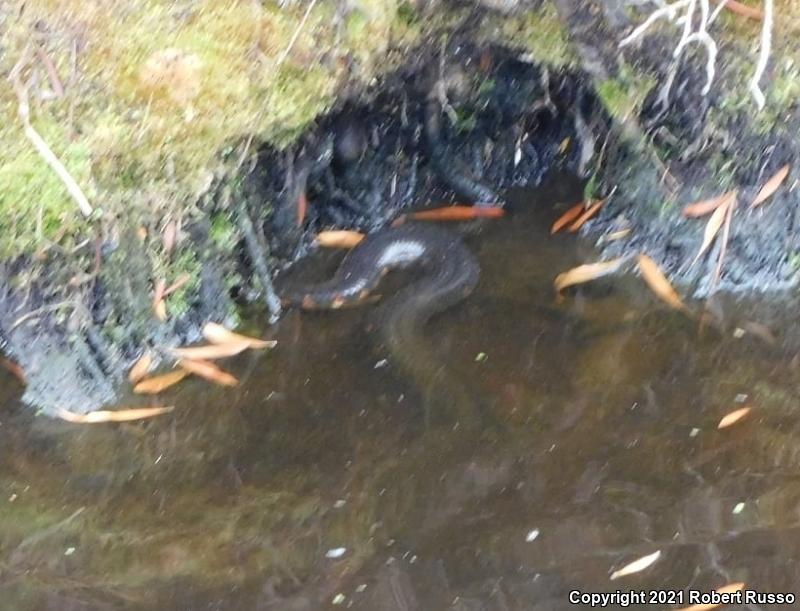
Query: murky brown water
[[323, 479]]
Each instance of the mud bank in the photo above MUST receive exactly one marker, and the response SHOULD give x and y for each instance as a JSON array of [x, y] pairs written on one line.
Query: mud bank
[[501, 121]]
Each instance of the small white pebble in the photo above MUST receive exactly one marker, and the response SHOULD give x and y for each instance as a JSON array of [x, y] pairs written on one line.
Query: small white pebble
[[12, 498], [738, 333], [738, 509], [413, 559], [69, 551], [339, 599], [339, 504], [481, 357], [740, 398], [532, 535], [381, 363], [694, 432], [336, 552], [361, 587]]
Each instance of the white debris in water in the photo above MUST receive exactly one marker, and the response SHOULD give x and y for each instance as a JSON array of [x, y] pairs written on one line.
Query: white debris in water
[[336, 552], [361, 588], [738, 509], [481, 357], [532, 535], [381, 363], [339, 599], [12, 498], [740, 398], [694, 432], [738, 333], [339, 504], [69, 551]]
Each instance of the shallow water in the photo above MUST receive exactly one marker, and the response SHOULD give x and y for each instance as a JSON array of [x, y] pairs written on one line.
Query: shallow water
[[324, 482]]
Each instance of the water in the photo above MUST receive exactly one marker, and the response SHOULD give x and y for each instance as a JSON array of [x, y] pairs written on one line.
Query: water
[[323, 479]]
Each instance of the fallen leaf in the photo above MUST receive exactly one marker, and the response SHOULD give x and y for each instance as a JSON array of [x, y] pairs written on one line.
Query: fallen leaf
[[729, 589], [215, 351], [771, 186], [157, 384], [617, 235], [141, 233], [14, 369], [726, 231], [339, 239], [140, 368], [659, 284], [169, 235], [217, 334], [745, 11], [208, 371], [119, 415], [733, 417], [585, 273], [566, 218], [714, 224], [302, 207], [182, 281], [159, 307], [590, 212], [636, 566], [704, 207], [564, 145], [457, 213]]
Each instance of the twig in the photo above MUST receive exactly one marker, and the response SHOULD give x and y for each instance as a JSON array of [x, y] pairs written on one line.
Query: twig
[[763, 54], [53, 307], [296, 34], [38, 142]]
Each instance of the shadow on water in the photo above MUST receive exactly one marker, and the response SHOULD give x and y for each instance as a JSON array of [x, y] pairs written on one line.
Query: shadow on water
[[320, 480]]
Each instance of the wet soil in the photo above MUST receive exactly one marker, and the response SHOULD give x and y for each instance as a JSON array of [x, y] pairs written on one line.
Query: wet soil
[[320, 483]]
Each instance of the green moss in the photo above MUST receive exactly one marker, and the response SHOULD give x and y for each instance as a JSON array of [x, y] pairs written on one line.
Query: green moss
[[541, 33], [623, 95]]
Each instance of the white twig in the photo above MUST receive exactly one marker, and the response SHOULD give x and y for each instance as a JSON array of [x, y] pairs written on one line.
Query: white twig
[[763, 55], [665, 11], [38, 142]]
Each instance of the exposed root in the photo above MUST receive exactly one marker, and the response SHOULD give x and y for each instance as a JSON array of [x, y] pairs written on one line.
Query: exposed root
[[763, 54]]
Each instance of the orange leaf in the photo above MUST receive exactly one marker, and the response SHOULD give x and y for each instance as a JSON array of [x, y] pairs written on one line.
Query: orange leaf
[[771, 186], [302, 207], [209, 371], [733, 417], [590, 212], [14, 369], [585, 273], [566, 218], [714, 224], [217, 334], [706, 206], [156, 384], [140, 368], [726, 230], [216, 351], [728, 589], [159, 307], [659, 284], [119, 415], [744, 10], [339, 239], [457, 213]]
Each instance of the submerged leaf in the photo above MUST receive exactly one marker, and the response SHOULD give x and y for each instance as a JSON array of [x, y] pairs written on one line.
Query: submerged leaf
[[659, 284], [182, 281], [302, 208], [140, 368], [585, 273], [568, 217], [457, 213], [14, 369], [590, 212], [157, 384], [733, 417], [215, 351], [169, 235], [339, 239], [771, 186], [217, 334], [636, 566], [728, 589], [208, 371], [119, 415]]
